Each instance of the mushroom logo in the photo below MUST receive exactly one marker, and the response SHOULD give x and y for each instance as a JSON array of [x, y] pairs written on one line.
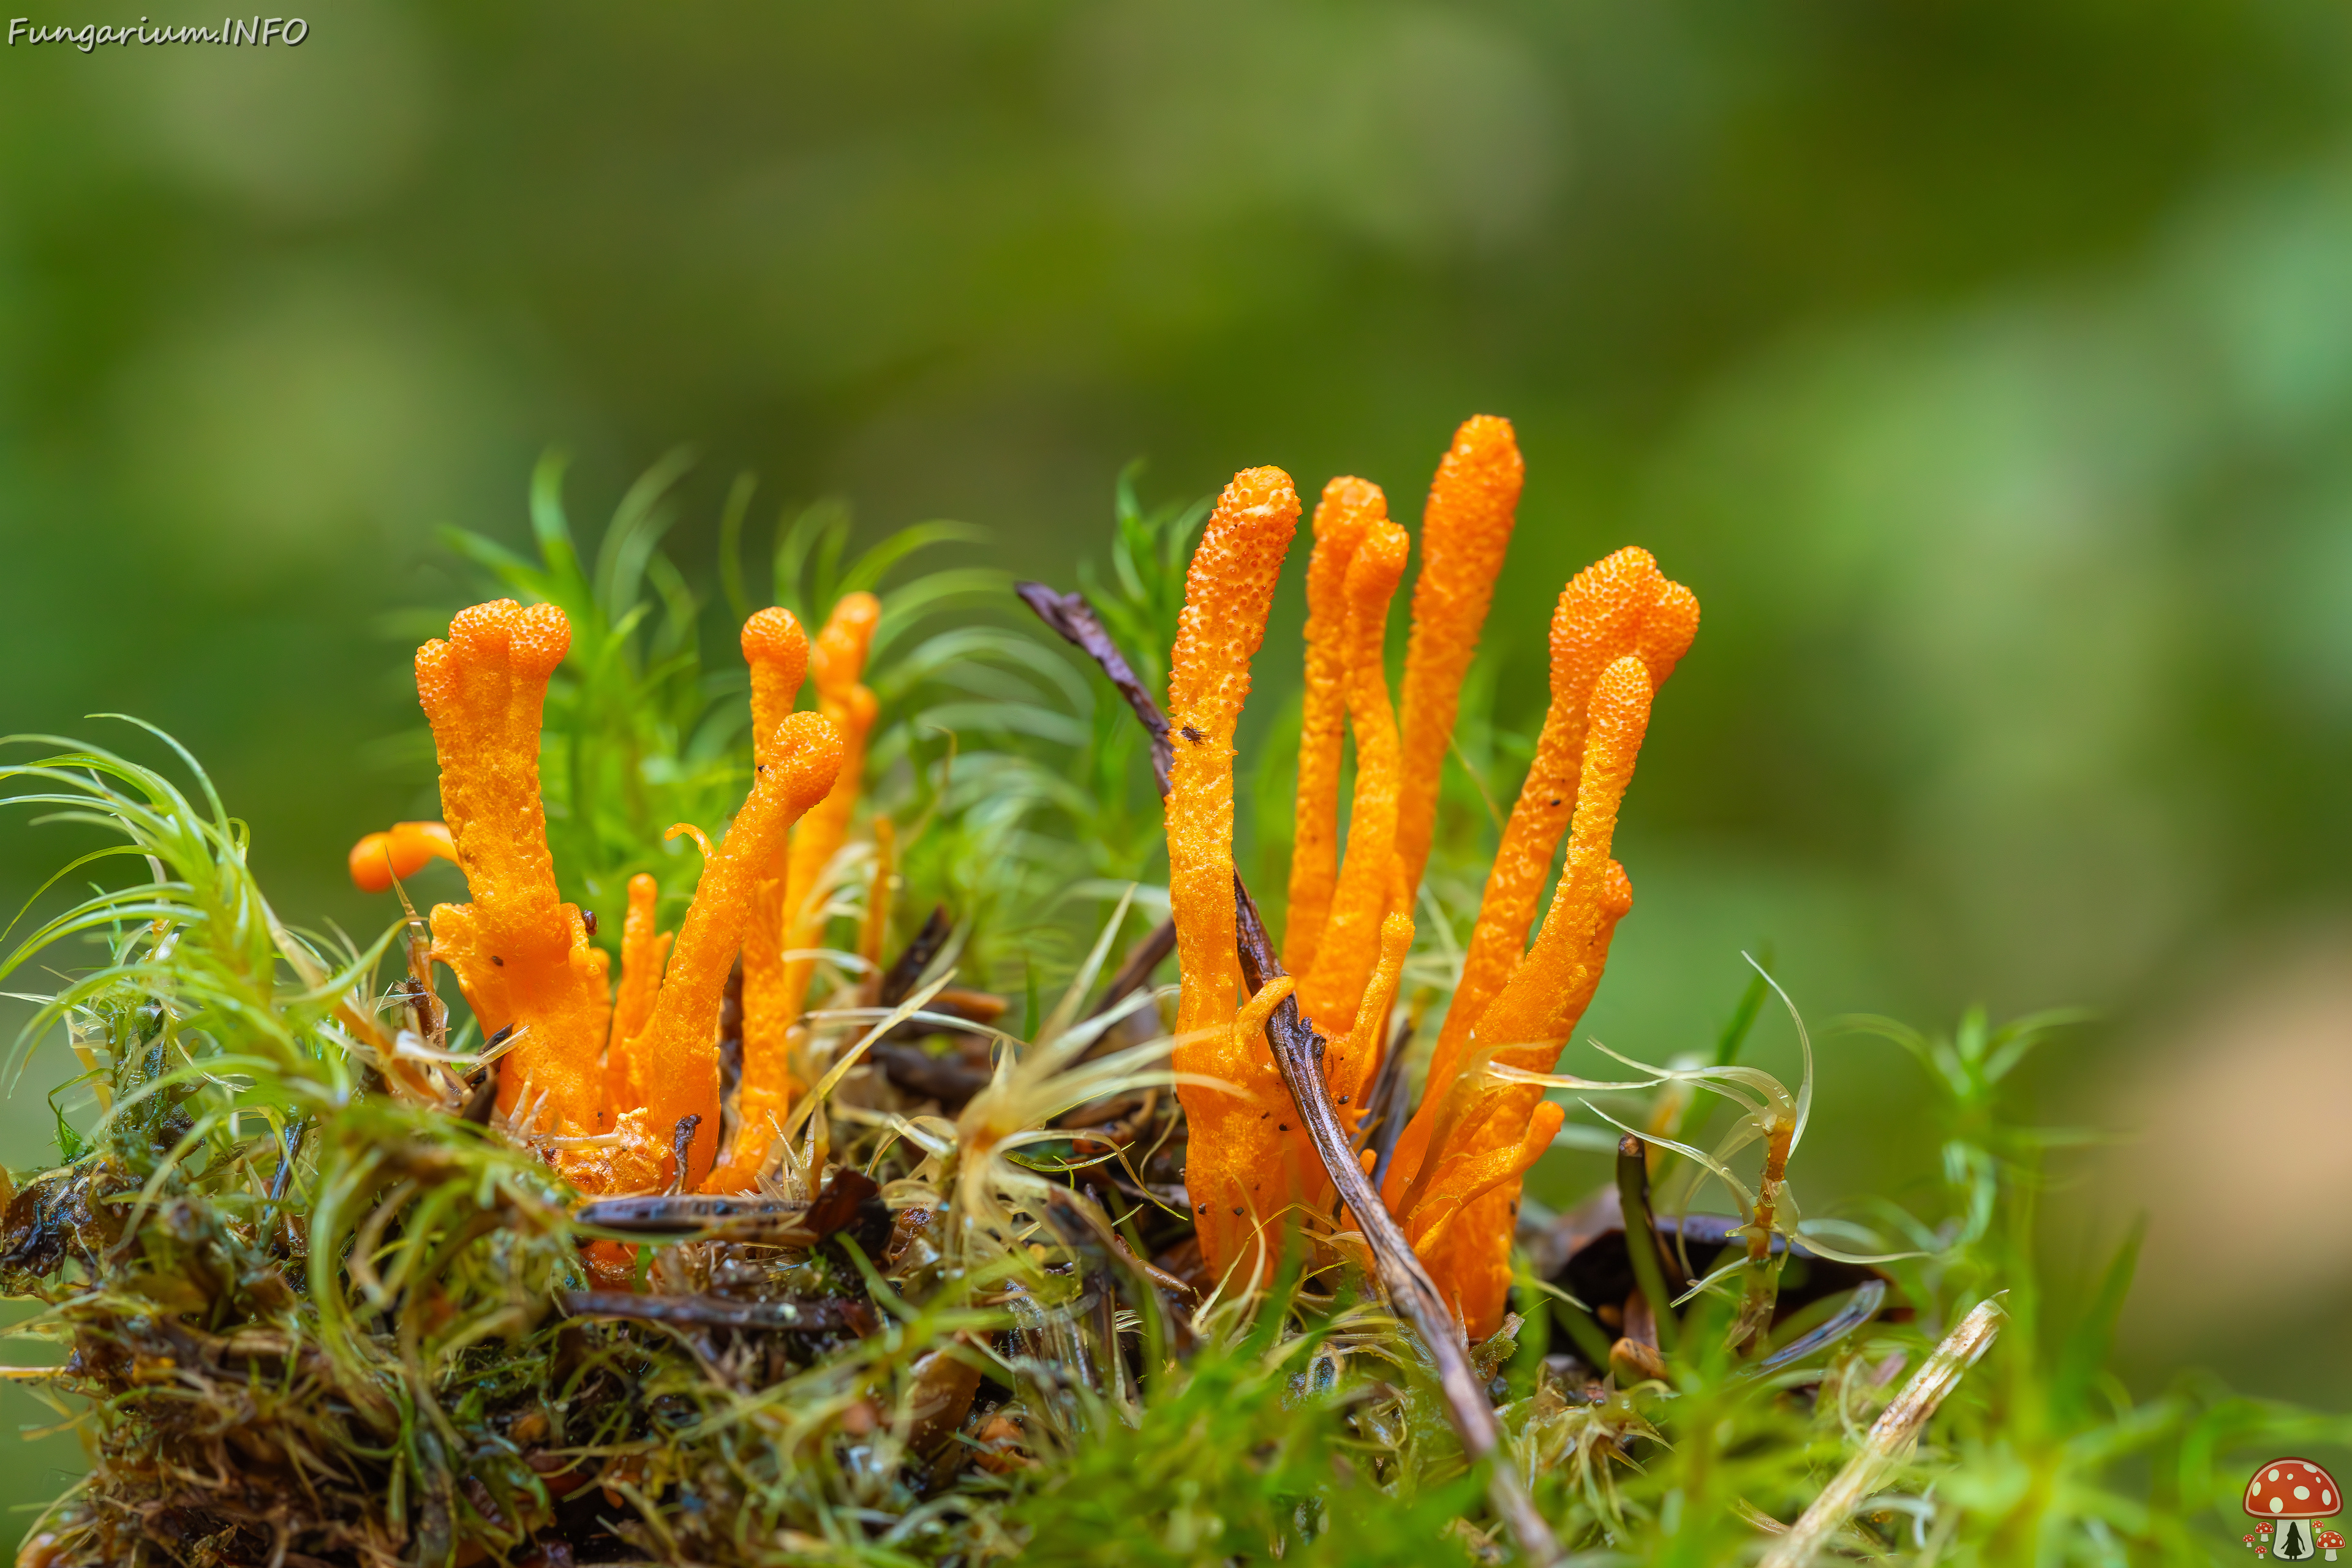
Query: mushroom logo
[[2289, 1495]]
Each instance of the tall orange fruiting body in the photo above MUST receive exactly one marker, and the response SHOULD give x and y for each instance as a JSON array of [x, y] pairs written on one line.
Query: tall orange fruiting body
[[777, 650], [520, 953], [1459, 1208], [644, 949], [836, 662], [1618, 608], [1601, 616], [1347, 506], [677, 1053], [1465, 530], [1350, 944], [1236, 1170]]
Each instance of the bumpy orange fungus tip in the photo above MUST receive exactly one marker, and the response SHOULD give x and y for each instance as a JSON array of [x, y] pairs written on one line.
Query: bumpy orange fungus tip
[[837, 659], [1669, 627], [777, 649], [1466, 530]]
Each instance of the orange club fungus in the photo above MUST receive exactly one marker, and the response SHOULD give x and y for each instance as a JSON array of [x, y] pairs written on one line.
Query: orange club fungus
[[617, 1088], [1454, 1181]]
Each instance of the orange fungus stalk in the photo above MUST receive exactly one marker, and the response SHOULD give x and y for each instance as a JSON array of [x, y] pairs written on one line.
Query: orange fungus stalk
[[777, 650], [1350, 1060], [520, 953], [1601, 616], [1234, 1168], [676, 1055], [1487, 1133], [644, 949], [1347, 506], [1350, 944]]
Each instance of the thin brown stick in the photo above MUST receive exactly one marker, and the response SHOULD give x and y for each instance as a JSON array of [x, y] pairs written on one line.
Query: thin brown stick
[[1641, 1248], [702, 1216], [1386, 1107], [1070, 615], [1134, 970], [822, 1314], [1298, 1054]]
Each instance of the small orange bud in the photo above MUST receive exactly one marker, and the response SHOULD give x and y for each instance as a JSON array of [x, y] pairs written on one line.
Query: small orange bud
[[379, 859]]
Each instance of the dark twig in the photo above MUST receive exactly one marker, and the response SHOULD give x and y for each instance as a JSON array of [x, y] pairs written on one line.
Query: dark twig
[[1134, 970], [844, 1191], [1641, 1235], [898, 980], [681, 1141], [950, 1079], [817, 1313], [703, 1216], [292, 1146], [1385, 1111], [481, 1097], [1070, 615], [1298, 1054]]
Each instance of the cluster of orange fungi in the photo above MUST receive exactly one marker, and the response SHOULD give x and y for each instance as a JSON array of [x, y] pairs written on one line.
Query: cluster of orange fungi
[[1454, 1181], [585, 1064], [607, 1080]]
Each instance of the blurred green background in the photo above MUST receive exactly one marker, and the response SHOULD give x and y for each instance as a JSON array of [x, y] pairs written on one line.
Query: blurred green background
[[1987, 369]]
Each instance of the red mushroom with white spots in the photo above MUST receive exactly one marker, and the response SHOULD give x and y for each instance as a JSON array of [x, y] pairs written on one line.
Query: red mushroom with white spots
[[2330, 1543], [2289, 1494]]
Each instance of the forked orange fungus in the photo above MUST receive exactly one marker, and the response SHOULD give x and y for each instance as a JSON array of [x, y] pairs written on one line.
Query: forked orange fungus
[[578, 1065]]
